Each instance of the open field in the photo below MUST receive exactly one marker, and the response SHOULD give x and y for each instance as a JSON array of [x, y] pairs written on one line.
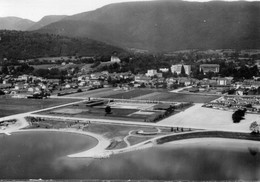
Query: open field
[[10, 106], [207, 118], [61, 67], [142, 94], [178, 97], [146, 94], [95, 109], [130, 94], [101, 92], [99, 113]]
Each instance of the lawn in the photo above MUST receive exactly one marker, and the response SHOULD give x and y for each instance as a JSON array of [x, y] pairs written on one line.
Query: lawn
[[137, 139], [101, 92], [98, 112], [179, 97], [10, 106], [114, 132], [130, 94], [157, 95]]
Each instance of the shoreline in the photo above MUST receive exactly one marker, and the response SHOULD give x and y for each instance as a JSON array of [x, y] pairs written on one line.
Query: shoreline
[[210, 142], [99, 150]]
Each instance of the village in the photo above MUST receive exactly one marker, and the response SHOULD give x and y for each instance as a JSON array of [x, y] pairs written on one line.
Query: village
[[78, 77]]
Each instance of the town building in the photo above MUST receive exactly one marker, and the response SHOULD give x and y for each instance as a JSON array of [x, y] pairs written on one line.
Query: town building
[[115, 59], [151, 73], [164, 70], [142, 79], [177, 68], [209, 68]]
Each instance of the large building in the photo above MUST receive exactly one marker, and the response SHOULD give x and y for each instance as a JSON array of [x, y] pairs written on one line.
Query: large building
[[209, 68], [115, 59], [177, 68], [151, 73]]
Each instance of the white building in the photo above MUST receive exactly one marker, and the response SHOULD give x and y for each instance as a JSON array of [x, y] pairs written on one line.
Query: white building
[[151, 73], [209, 68], [164, 70], [177, 68], [115, 59]]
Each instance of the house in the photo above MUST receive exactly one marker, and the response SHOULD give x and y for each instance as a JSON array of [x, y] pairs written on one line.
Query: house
[[185, 81], [54, 81], [19, 86], [82, 83], [240, 91], [224, 81], [115, 59], [151, 73], [142, 79], [209, 68], [23, 78], [33, 89], [159, 75], [83, 78], [3, 86], [177, 68], [96, 83], [257, 63], [96, 76], [164, 70], [67, 86]]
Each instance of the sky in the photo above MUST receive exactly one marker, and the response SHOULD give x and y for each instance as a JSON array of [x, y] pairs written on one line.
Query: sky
[[36, 9]]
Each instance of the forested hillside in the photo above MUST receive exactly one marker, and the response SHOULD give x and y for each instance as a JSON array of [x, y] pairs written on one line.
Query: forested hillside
[[24, 45]]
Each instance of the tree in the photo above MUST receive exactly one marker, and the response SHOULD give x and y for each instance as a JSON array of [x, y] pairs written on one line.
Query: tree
[[108, 109], [175, 75], [183, 73], [238, 115], [254, 127], [5, 69]]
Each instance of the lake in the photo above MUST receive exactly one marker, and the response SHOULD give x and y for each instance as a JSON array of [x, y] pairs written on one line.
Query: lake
[[34, 155]]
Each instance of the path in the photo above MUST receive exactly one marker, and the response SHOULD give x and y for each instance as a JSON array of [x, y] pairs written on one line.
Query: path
[[180, 89]]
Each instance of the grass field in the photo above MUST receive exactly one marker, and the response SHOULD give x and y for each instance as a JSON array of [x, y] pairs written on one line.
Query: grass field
[[101, 92], [61, 67], [10, 106], [163, 96], [179, 97], [130, 94]]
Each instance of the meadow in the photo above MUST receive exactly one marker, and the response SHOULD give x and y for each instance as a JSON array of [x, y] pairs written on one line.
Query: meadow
[[10, 106]]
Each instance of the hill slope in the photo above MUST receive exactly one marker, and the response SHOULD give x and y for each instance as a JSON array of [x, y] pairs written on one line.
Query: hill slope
[[14, 23], [167, 26], [24, 45], [46, 21]]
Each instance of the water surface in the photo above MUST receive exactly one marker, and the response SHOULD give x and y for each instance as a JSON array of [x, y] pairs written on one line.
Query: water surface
[[43, 155]]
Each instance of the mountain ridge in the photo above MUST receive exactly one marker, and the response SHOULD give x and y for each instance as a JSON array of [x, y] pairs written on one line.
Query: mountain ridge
[[166, 25], [46, 20], [15, 23]]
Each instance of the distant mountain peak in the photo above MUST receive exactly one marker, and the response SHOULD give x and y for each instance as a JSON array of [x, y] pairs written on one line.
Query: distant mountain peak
[[167, 25], [15, 23], [46, 20]]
